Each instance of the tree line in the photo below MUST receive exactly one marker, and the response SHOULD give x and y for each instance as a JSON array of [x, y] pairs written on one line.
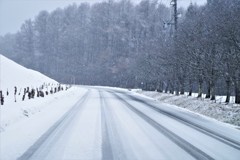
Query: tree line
[[207, 49], [131, 45]]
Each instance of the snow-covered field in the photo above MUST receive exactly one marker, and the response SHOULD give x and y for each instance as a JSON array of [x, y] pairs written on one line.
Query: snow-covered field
[[228, 113]]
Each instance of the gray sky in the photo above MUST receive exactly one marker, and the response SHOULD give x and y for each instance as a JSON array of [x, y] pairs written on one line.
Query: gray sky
[[14, 12]]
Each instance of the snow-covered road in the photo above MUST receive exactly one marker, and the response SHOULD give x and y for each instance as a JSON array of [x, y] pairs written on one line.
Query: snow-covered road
[[116, 124]]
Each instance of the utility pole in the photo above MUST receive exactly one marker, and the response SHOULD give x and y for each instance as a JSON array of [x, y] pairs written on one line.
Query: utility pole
[[176, 65], [175, 14], [173, 23]]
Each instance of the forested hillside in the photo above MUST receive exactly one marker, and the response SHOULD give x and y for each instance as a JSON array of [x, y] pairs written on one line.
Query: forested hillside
[[127, 45]]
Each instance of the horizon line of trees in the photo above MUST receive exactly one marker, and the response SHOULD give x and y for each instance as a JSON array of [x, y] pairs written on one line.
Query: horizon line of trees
[[126, 45]]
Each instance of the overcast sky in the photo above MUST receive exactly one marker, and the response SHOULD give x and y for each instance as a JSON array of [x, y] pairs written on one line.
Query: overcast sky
[[14, 12]]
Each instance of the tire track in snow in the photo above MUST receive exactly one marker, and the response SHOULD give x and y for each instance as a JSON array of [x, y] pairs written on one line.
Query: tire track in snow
[[202, 129], [52, 132], [188, 147], [106, 145], [111, 142]]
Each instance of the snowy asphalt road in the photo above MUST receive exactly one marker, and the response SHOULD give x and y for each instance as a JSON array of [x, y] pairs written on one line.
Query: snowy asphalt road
[[114, 124]]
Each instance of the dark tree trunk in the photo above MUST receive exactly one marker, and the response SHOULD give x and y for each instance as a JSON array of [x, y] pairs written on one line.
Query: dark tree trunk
[[212, 86], [237, 95], [177, 88], [213, 94], [190, 88], [237, 92], [159, 87], [172, 88], [166, 89], [228, 83], [181, 87], [200, 83], [208, 90]]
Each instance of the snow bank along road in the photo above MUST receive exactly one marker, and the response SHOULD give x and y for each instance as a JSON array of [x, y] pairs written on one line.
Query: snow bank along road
[[116, 124]]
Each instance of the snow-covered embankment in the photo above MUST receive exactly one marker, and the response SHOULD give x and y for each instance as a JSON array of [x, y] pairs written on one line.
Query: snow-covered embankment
[[23, 122], [228, 113]]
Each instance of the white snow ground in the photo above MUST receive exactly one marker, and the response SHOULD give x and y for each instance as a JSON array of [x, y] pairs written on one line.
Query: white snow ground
[[19, 132], [228, 113]]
